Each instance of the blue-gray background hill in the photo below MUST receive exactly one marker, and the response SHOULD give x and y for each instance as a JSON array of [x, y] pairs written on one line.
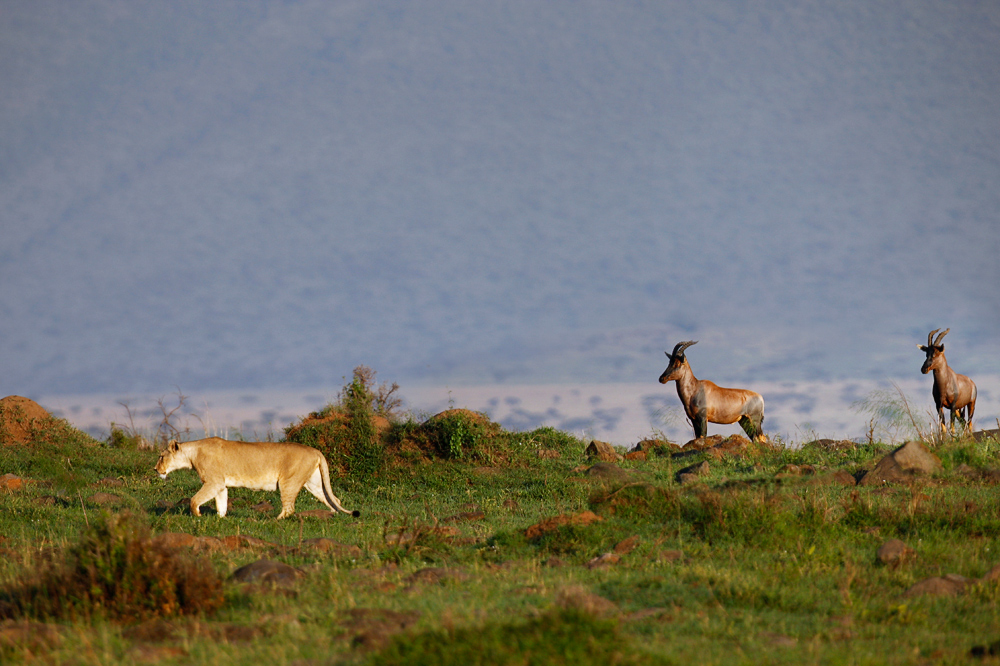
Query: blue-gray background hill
[[233, 194]]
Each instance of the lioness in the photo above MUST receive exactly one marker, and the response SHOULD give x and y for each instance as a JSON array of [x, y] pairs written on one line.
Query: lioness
[[221, 463]]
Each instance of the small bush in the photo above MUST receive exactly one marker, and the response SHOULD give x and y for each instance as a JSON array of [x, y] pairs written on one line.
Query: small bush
[[116, 572], [121, 438], [457, 436], [346, 432]]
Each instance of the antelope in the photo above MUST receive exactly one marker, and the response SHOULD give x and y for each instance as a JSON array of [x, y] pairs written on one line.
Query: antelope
[[952, 390], [705, 402]]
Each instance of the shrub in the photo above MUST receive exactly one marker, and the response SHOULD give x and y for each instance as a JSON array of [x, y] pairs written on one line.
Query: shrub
[[116, 572], [129, 439], [346, 432]]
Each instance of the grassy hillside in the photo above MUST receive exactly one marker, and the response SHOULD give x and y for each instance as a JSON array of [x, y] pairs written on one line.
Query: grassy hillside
[[479, 545]]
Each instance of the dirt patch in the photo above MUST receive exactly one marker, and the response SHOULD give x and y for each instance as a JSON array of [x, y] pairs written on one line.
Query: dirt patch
[[468, 414], [551, 524], [19, 418], [339, 420]]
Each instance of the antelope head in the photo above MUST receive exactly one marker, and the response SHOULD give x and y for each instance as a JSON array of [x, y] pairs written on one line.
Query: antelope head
[[934, 350], [678, 362]]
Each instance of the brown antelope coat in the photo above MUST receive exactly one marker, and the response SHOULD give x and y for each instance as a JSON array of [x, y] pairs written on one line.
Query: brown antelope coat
[[952, 391], [705, 402]]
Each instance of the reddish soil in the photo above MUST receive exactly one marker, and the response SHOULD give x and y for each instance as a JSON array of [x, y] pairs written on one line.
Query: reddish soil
[[18, 417]]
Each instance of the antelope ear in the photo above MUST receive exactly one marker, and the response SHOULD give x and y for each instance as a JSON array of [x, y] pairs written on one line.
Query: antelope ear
[[922, 348]]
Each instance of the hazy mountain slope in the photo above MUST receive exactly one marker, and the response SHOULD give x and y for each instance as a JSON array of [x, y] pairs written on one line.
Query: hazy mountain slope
[[224, 195]]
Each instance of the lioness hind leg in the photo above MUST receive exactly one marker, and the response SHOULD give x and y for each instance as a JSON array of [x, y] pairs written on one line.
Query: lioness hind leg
[[315, 486], [288, 495]]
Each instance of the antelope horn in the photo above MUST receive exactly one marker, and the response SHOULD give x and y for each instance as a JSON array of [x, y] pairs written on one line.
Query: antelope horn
[[680, 347], [941, 337], [930, 337]]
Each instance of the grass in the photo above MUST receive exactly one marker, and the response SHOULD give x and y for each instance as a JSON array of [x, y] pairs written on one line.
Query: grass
[[745, 566]]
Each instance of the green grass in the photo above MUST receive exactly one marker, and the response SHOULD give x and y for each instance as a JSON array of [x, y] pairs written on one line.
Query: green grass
[[773, 570]]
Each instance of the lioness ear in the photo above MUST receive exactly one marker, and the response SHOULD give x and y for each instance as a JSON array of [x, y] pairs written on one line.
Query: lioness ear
[[172, 445]]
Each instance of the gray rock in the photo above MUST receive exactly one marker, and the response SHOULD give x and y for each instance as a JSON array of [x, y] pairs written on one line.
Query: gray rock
[[909, 460], [268, 571], [692, 472], [894, 552], [606, 470], [603, 451]]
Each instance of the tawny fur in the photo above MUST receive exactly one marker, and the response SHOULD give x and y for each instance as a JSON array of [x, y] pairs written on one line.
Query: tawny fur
[[222, 464], [705, 402], [952, 391]]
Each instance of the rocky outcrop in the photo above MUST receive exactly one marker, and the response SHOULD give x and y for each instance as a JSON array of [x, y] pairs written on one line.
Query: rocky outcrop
[[909, 460]]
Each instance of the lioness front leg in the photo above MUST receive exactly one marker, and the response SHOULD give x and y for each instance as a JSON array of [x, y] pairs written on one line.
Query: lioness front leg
[[207, 492], [222, 501]]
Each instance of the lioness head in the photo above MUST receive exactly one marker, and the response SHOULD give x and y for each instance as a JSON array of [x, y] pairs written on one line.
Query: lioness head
[[170, 459]]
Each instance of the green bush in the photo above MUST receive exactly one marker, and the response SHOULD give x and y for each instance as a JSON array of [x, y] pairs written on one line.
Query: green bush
[[345, 432], [116, 572], [457, 435]]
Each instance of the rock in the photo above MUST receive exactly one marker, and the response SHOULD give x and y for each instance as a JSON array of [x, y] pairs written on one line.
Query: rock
[[105, 499], [603, 451], [627, 545], [576, 597], [174, 540], [894, 552], [52, 500], [111, 482], [263, 507], [581, 519], [692, 472], [636, 455], [670, 556], [548, 454], [373, 627], [797, 470], [980, 435], [11, 482], [607, 471], [235, 541], [949, 585], [657, 447], [604, 560], [831, 445], [268, 571], [702, 443], [325, 545], [909, 460], [433, 575]]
